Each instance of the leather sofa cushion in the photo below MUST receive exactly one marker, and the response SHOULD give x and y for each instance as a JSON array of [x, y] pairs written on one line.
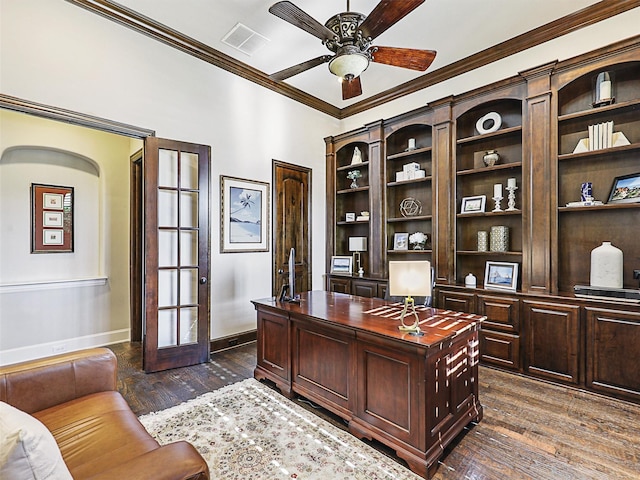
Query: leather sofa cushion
[[96, 433]]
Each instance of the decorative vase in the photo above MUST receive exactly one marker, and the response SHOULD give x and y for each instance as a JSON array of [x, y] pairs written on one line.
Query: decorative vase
[[491, 157], [499, 238], [419, 246], [470, 281], [606, 266], [354, 184], [483, 241]]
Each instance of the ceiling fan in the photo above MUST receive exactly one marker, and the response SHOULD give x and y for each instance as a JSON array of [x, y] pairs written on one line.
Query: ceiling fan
[[349, 35]]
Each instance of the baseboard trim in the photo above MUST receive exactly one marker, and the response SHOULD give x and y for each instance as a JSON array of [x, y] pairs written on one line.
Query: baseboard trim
[[43, 350], [232, 341]]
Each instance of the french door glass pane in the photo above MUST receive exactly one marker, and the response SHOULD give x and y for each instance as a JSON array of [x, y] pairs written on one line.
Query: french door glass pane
[[189, 286], [168, 168], [167, 288], [167, 248], [188, 209], [167, 208], [189, 170], [167, 328], [188, 325], [188, 247]]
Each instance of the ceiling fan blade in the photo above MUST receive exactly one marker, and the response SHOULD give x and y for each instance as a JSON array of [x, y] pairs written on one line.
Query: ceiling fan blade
[[385, 14], [299, 68], [351, 88], [403, 57], [298, 18]]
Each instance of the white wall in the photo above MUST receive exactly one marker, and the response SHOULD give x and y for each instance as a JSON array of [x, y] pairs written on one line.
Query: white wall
[[54, 53], [63, 301], [58, 54]]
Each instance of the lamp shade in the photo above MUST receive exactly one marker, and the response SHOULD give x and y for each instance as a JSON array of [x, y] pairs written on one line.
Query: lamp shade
[[348, 65], [410, 278], [357, 244]]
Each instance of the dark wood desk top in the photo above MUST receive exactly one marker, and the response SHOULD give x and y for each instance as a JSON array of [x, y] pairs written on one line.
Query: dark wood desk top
[[376, 316]]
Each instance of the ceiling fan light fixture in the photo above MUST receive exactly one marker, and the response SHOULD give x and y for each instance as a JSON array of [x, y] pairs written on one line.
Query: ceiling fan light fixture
[[349, 64]]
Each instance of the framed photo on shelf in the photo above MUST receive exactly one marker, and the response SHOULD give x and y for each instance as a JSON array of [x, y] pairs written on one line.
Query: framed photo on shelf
[[401, 241], [341, 265], [51, 218], [244, 219], [501, 276], [473, 204], [625, 189]]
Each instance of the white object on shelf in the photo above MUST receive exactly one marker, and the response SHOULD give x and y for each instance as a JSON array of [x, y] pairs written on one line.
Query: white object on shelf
[[606, 266], [494, 118], [401, 176], [470, 281], [410, 167]]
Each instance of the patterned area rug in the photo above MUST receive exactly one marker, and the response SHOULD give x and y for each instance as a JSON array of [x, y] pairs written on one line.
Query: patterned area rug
[[247, 431]]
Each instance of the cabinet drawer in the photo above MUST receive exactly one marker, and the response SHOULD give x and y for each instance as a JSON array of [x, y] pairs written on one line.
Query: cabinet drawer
[[503, 313], [457, 301], [364, 288], [339, 285], [500, 349]]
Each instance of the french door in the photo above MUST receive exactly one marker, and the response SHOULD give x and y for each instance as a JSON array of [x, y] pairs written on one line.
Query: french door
[[176, 249]]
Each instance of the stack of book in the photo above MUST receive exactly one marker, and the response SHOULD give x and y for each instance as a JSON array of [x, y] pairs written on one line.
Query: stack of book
[[601, 136]]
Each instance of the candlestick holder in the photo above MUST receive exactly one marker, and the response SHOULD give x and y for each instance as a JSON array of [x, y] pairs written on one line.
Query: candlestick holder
[[497, 208], [512, 198]]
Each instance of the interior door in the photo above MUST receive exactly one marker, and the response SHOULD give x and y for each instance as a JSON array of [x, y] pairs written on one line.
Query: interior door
[[176, 246], [291, 220]]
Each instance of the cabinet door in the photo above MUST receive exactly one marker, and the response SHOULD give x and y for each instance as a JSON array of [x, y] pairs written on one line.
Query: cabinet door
[[339, 285], [552, 348], [364, 288], [273, 349], [457, 301], [613, 350]]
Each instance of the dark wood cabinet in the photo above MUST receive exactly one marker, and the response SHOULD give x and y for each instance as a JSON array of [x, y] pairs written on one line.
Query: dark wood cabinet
[[274, 348], [613, 351], [544, 114], [339, 284], [553, 340], [362, 287]]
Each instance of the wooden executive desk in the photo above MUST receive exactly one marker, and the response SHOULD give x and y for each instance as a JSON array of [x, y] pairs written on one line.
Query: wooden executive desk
[[414, 394]]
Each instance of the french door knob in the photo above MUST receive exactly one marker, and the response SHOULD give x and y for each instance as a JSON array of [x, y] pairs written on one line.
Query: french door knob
[[203, 280]]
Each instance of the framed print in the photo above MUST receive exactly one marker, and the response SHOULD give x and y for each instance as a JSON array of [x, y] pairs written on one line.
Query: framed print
[[51, 218], [401, 241], [625, 189], [473, 204], [244, 206], [341, 265], [501, 276]]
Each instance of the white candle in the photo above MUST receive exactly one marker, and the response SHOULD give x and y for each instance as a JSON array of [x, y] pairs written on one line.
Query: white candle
[[497, 190], [511, 182], [605, 90], [412, 143]]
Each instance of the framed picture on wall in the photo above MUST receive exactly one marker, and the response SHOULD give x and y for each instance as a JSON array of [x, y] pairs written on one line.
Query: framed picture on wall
[[244, 206], [51, 218]]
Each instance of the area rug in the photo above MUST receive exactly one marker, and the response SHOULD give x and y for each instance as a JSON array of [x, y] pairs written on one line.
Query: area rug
[[248, 431]]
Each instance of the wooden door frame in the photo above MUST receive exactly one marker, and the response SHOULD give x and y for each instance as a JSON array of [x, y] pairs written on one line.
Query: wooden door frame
[[274, 238], [136, 247]]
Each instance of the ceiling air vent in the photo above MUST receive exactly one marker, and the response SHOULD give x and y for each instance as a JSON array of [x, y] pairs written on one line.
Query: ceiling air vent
[[244, 39]]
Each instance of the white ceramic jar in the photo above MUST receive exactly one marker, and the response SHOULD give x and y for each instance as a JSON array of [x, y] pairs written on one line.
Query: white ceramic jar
[[606, 266]]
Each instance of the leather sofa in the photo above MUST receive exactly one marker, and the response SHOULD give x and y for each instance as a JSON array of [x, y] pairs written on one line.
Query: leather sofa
[[74, 395]]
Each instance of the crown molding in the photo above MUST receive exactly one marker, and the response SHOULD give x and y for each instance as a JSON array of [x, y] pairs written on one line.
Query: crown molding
[[149, 27]]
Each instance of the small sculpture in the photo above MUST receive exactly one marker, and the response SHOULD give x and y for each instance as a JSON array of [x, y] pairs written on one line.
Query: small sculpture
[[357, 157]]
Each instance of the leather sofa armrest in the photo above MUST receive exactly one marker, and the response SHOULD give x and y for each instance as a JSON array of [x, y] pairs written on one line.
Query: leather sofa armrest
[[175, 461], [38, 384]]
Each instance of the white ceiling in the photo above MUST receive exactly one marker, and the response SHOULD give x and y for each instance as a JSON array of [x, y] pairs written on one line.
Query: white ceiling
[[454, 28]]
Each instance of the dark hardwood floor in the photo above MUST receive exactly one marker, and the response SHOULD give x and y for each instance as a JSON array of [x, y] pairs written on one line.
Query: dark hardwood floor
[[531, 429]]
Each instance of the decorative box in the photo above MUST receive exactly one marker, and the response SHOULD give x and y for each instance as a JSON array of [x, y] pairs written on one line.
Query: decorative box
[[411, 167], [401, 176]]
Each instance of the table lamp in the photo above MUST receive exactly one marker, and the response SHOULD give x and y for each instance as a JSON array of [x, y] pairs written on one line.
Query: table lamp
[[357, 245], [407, 279]]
